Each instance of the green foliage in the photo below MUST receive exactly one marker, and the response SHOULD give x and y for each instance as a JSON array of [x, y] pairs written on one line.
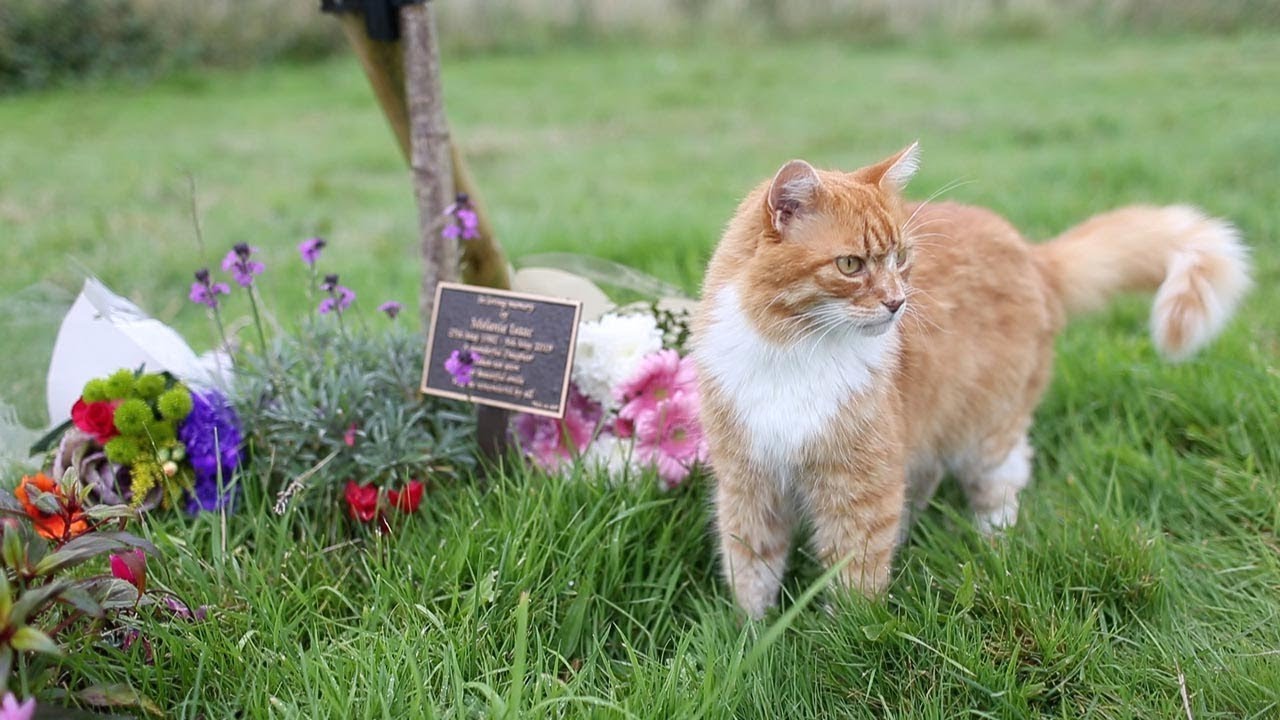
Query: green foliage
[[175, 404], [46, 610], [299, 403]]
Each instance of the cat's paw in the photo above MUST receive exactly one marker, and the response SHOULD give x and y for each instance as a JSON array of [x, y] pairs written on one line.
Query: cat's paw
[[756, 607], [992, 522]]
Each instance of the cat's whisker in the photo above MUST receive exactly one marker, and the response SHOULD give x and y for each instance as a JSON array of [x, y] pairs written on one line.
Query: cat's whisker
[[924, 223], [948, 187], [832, 325]]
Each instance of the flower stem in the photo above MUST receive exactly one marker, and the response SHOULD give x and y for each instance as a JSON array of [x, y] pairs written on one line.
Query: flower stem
[[257, 318], [222, 331]]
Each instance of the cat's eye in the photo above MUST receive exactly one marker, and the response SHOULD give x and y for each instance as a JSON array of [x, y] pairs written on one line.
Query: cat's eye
[[849, 264], [902, 256]]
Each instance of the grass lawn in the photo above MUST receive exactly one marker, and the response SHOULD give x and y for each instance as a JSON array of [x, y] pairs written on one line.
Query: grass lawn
[[1146, 564]]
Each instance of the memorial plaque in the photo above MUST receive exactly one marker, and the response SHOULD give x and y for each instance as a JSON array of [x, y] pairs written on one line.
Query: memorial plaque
[[505, 349]]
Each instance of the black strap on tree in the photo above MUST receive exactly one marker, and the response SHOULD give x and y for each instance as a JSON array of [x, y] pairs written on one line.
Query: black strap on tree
[[381, 17]]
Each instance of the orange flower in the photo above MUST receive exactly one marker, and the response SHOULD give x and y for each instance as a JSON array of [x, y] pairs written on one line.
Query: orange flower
[[61, 527]]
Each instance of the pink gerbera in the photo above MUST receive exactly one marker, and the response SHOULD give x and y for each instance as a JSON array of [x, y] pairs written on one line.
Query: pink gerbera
[[550, 442], [670, 438], [661, 376]]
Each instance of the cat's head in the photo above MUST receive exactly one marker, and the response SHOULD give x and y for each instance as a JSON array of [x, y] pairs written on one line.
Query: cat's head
[[833, 252]]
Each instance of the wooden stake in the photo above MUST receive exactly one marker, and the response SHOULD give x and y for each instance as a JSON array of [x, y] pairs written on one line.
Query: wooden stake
[[483, 261], [383, 65]]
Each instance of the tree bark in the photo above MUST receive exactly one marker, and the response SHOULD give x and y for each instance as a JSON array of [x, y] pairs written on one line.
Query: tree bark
[[429, 155]]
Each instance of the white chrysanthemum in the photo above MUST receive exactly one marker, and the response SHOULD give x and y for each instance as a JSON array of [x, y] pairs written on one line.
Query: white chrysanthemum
[[610, 455], [609, 351]]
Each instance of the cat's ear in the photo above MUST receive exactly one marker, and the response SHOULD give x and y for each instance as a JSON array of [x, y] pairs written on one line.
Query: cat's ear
[[893, 173], [792, 190]]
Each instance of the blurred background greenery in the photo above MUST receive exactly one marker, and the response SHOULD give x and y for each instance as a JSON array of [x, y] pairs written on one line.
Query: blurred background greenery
[[46, 42]]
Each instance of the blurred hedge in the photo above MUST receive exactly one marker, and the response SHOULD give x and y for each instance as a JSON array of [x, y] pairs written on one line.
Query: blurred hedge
[[43, 42]]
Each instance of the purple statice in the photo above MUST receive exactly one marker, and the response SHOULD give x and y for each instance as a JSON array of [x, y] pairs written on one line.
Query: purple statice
[[211, 434], [391, 308], [310, 249], [464, 223], [340, 297], [460, 364], [240, 263], [205, 292]]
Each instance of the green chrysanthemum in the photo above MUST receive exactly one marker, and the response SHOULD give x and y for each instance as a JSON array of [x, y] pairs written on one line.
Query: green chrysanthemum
[[175, 404], [133, 416], [150, 386], [119, 384], [95, 391], [122, 450], [161, 432]]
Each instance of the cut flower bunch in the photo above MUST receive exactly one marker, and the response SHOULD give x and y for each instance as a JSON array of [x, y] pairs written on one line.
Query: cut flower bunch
[[633, 402]]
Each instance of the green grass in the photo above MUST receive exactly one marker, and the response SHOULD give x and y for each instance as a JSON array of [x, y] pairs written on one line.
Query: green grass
[[1147, 548]]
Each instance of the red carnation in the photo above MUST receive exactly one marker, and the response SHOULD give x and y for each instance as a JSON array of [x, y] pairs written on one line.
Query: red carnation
[[362, 501], [96, 419], [408, 499]]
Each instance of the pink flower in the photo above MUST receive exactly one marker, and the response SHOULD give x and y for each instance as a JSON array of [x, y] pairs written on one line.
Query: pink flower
[[11, 710], [670, 438], [550, 442], [349, 437], [131, 567], [661, 376]]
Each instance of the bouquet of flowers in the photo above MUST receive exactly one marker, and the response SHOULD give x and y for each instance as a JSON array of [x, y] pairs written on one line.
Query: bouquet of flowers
[[148, 440], [633, 401]]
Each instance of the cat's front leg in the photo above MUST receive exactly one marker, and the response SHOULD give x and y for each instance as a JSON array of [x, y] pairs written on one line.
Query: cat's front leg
[[755, 520], [857, 515]]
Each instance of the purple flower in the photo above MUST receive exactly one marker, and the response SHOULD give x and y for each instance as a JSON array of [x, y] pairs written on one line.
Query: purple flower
[[465, 224], [391, 308], [340, 298], [310, 249], [240, 264], [460, 364], [211, 434], [205, 292]]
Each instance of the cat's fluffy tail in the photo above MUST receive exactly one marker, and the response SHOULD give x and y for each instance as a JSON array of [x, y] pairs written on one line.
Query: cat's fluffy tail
[[1196, 265]]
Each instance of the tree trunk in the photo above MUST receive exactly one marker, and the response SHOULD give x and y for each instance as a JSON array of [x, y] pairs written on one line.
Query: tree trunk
[[429, 155]]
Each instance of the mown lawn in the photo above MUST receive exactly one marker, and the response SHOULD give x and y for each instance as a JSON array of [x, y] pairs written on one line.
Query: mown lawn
[[1146, 563]]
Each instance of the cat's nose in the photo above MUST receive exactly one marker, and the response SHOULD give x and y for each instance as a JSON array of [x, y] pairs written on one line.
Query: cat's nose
[[893, 304]]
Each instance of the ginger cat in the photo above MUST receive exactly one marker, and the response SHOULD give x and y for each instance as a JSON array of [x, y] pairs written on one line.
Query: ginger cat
[[853, 346]]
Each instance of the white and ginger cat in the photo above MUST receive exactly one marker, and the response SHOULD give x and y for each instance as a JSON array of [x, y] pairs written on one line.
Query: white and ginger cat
[[853, 346]]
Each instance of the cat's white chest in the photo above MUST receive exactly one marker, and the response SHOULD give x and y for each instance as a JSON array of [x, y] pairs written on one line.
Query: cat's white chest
[[786, 396]]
